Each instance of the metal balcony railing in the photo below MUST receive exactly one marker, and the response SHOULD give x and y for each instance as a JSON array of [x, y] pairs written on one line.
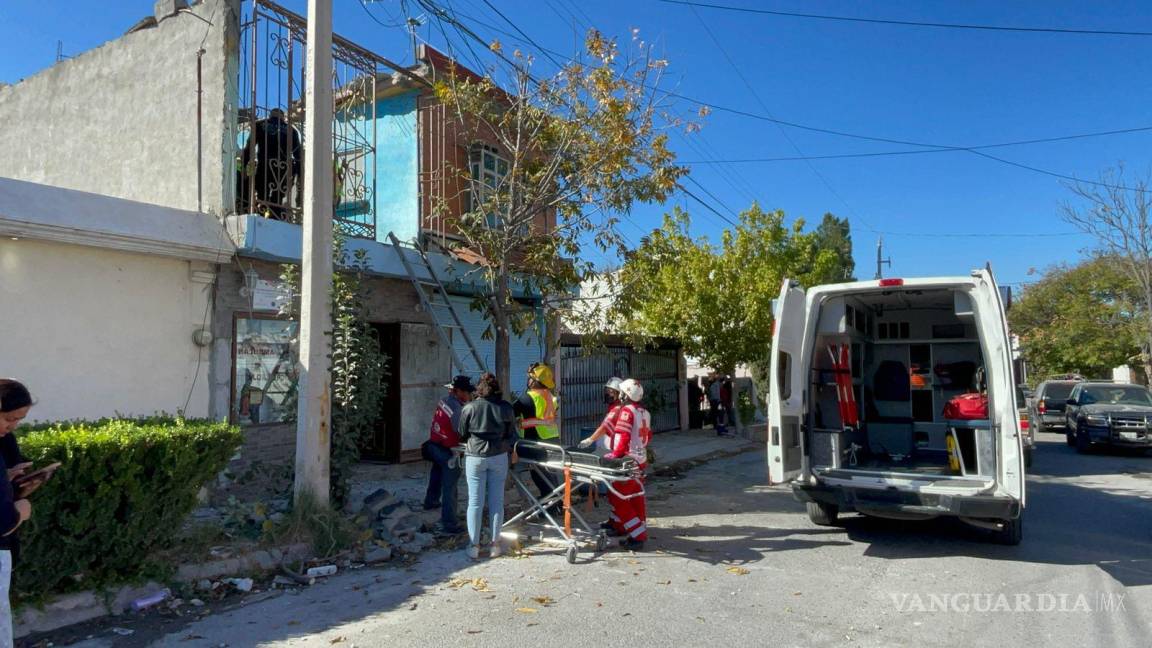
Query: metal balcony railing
[[270, 143]]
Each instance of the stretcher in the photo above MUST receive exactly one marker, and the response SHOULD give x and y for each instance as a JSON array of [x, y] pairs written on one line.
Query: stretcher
[[572, 466]]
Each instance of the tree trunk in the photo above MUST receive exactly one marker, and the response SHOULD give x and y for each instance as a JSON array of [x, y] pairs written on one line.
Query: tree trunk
[[502, 334]]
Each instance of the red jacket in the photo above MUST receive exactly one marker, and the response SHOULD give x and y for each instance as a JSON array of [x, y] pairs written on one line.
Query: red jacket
[[631, 433]]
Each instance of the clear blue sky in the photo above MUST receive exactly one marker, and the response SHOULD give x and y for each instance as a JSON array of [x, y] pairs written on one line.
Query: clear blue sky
[[951, 87]]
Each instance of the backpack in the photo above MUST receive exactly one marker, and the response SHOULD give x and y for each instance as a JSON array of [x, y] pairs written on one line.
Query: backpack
[[967, 407]]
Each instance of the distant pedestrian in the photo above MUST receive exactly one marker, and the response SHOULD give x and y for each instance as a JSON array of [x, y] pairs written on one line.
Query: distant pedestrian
[[15, 402], [440, 450], [725, 404], [716, 403], [488, 430]]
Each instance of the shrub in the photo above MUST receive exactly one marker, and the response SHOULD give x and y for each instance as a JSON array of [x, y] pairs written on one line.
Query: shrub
[[123, 491]]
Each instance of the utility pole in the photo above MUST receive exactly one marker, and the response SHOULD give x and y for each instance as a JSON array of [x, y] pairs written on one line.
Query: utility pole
[[314, 410], [880, 260]]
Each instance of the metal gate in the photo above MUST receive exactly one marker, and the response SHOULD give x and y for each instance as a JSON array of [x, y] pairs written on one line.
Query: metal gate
[[584, 374]]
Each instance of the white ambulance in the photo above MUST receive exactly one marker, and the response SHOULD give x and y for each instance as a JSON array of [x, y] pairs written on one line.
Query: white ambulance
[[859, 415]]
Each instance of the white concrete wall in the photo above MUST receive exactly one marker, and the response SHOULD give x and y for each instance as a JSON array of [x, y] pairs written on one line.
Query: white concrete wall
[[97, 333], [120, 120]]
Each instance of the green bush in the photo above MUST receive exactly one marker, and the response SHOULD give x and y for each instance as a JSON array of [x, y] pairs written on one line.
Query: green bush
[[123, 491]]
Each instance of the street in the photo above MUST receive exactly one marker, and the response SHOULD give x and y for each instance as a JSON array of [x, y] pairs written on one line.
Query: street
[[734, 562]]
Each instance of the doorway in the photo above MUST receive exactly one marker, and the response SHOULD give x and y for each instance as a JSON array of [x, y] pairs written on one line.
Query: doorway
[[384, 442]]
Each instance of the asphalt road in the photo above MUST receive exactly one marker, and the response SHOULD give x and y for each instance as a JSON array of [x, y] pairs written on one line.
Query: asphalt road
[[734, 562]]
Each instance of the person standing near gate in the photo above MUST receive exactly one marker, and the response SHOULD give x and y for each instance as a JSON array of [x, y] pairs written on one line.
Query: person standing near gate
[[539, 416], [439, 449], [630, 437]]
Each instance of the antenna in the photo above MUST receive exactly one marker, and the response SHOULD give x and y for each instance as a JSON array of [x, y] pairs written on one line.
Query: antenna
[[880, 260], [60, 55]]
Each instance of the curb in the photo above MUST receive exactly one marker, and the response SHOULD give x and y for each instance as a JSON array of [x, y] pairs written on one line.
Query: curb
[[78, 607], [687, 464]]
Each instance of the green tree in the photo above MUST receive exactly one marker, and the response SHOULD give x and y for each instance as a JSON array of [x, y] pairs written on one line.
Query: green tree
[[1080, 319], [1117, 212], [576, 150], [717, 299], [835, 234]]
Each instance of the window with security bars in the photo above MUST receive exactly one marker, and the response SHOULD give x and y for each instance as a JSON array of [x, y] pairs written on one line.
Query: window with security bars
[[488, 169]]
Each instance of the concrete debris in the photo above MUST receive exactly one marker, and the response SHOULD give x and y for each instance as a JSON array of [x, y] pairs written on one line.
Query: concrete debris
[[378, 554], [324, 570], [242, 584]]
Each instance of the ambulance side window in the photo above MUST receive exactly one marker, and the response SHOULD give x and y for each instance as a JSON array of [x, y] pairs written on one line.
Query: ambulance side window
[[784, 375]]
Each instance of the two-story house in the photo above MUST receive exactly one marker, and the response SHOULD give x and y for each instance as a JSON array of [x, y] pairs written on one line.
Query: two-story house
[[194, 119]]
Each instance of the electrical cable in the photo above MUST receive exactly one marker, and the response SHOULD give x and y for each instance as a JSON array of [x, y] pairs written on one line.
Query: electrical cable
[[910, 23]]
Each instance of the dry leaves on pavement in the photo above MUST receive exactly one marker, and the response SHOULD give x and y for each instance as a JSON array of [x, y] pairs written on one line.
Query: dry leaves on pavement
[[739, 571]]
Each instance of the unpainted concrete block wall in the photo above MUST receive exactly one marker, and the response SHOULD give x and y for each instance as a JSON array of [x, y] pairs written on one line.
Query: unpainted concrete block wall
[[424, 365], [120, 119]]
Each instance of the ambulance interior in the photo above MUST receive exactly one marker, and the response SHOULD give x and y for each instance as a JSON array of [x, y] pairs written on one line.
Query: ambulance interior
[[902, 354]]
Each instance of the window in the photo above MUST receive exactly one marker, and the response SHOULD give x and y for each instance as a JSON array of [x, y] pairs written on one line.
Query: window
[[784, 375], [488, 170], [265, 375]]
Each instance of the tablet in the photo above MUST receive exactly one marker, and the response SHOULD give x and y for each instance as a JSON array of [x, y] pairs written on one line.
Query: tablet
[[28, 483]]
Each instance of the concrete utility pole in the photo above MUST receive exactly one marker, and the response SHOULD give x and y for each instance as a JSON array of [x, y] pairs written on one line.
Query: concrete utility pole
[[314, 413], [880, 260]]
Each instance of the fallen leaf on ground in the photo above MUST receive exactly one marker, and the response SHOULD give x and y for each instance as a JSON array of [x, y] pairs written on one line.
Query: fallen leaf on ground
[[474, 631], [692, 580], [192, 637], [633, 562], [664, 582], [739, 571], [797, 593], [527, 610], [292, 623], [532, 624], [543, 600], [337, 640]]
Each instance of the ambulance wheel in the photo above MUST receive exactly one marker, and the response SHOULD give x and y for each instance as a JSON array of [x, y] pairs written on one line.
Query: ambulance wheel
[[570, 555], [601, 542], [1012, 532], [823, 514]]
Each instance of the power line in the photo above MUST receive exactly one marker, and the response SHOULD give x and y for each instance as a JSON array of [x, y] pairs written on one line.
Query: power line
[[756, 95], [522, 33], [703, 203], [390, 25], [911, 23], [941, 149]]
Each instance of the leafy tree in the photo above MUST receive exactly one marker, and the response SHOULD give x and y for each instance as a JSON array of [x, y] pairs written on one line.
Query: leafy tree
[[717, 299], [1117, 212], [359, 369], [835, 234], [580, 147], [1080, 319]]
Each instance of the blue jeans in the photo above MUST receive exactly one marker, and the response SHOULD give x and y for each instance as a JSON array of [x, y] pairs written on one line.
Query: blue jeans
[[442, 484], [486, 477]]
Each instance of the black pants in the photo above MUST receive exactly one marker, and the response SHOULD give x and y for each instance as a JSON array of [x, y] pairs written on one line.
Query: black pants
[[544, 481]]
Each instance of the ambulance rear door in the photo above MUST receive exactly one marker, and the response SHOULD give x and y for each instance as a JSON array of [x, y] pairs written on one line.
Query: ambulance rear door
[[787, 385]]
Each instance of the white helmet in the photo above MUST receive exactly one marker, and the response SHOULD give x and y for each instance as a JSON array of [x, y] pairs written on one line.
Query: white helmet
[[632, 389], [613, 384]]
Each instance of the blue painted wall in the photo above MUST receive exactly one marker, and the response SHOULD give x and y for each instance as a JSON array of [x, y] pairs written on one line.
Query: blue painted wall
[[397, 168]]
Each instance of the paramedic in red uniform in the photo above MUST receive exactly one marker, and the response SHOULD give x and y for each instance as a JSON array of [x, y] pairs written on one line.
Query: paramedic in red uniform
[[605, 431], [438, 449], [630, 437]]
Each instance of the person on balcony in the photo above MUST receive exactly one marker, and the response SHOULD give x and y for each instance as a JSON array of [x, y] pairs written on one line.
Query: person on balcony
[[272, 159]]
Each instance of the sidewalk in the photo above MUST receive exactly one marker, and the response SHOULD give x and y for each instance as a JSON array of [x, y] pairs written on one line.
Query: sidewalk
[[675, 451]]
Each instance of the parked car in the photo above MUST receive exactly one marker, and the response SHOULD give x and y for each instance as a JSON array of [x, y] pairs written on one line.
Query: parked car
[[1113, 414], [1047, 408], [1027, 432]]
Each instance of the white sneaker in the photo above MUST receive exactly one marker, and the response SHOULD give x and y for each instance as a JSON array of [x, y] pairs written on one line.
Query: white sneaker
[[495, 551], [473, 552]]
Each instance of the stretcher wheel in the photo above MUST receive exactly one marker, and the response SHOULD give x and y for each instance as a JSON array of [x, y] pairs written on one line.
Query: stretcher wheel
[[570, 554], [601, 542]]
